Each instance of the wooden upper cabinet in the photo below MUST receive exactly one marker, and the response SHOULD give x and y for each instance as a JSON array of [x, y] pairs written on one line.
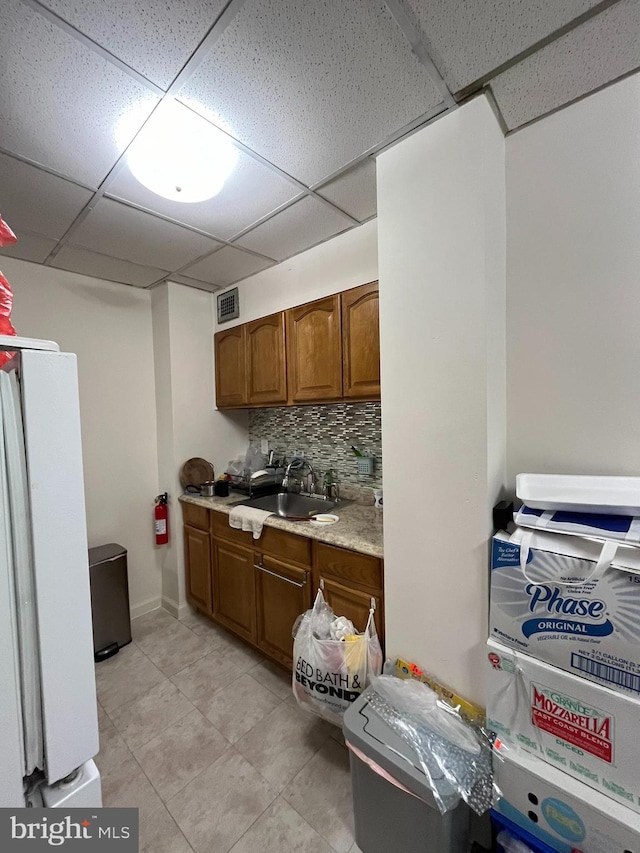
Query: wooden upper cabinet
[[314, 346], [266, 360], [231, 367], [361, 342]]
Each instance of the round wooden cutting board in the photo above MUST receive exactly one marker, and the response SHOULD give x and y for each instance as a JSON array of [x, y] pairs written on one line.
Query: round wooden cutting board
[[196, 471]]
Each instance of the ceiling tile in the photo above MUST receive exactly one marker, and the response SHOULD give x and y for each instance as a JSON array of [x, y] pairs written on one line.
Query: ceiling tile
[[101, 266], [62, 104], [300, 226], [310, 86], [250, 192], [590, 56], [123, 232], [33, 199], [355, 191], [30, 247], [153, 36], [468, 40], [228, 265]]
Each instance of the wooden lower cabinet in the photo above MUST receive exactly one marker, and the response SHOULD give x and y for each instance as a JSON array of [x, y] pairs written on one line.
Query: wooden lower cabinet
[[352, 603], [234, 601], [197, 561], [283, 592], [257, 589]]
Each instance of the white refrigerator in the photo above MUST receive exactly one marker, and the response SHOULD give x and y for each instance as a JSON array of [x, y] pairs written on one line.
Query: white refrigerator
[[48, 716]]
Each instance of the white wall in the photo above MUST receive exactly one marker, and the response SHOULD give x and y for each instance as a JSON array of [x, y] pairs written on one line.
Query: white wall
[[188, 425], [573, 204], [109, 327], [342, 262], [196, 422], [170, 555], [441, 234]]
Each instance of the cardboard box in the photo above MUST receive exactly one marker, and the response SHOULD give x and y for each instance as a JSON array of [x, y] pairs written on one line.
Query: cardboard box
[[591, 629], [590, 732], [560, 811]]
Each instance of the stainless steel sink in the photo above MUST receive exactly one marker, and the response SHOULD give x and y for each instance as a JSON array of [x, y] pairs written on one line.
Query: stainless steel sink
[[292, 505]]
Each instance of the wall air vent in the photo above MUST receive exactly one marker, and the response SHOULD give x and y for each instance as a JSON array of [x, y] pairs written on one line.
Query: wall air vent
[[228, 305]]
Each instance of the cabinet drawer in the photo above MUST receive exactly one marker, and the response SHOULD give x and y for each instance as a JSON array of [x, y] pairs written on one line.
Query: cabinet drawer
[[349, 565], [221, 530], [297, 576], [196, 516], [285, 546]]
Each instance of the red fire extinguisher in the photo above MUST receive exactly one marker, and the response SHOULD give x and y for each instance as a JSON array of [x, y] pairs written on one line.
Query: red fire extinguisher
[[161, 513]]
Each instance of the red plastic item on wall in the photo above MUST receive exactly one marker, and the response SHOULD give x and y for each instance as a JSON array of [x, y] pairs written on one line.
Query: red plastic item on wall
[[161, 515], [7, 237]]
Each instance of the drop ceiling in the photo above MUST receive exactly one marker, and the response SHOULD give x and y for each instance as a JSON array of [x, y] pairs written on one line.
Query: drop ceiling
[[309, 91]]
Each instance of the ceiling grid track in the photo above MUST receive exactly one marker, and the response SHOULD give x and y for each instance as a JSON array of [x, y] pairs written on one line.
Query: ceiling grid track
[[304, 189], [412, 33], [72, 31], [420, 49], [56, 174], [190, 67], [574, 101], [195, 229], [478, 85], [407, 130], [387, 142]]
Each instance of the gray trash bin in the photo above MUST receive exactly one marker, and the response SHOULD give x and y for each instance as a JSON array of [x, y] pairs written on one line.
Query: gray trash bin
[[109, 600], [386, 817]]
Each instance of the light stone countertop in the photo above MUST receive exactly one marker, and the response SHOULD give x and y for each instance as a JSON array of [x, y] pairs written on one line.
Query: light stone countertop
[[359, 528]]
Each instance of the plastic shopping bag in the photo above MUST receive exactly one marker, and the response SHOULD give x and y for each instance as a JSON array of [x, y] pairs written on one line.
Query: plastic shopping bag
[[330, 674]]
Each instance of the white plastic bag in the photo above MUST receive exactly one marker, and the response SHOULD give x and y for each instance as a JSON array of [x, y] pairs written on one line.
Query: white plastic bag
[[512, 845], [329, 675]]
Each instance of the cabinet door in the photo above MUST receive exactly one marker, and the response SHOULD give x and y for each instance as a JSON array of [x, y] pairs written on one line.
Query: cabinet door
[[315, 351], [197, 561], [361, 342], [234, 603], [266, 363], [231, 371], [283, 592], [352, 603]]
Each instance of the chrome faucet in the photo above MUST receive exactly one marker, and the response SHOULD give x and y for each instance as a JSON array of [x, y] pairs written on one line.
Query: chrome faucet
[[297, 465], [330, 489]]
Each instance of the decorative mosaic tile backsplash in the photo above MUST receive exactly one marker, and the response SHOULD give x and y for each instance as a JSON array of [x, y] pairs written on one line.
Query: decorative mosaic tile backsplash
[[324, 434]]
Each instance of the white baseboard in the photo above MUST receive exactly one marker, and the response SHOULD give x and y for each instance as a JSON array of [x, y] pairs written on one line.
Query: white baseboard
[[146, 607], [179, 611]]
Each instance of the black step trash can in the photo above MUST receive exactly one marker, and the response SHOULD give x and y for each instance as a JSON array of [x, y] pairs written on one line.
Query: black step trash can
[[109, 600]]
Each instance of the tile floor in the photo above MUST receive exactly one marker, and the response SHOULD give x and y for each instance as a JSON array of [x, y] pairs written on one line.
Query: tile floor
[[202, 734]]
